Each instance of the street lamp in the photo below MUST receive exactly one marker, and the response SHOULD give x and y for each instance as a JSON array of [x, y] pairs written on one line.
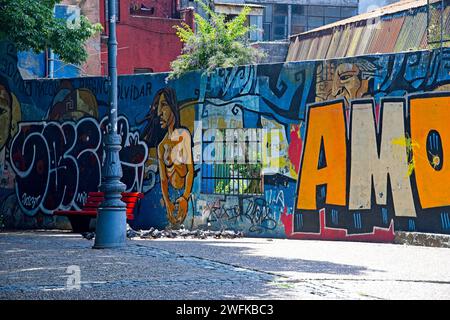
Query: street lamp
[[111, 217]]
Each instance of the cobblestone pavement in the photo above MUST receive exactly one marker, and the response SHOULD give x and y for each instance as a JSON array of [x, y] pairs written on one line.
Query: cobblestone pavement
[[34, 265]]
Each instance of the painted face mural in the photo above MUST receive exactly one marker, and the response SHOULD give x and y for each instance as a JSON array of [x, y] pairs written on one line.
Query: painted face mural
[[5, 115], [73, 104], [165, 113], [348, 80]]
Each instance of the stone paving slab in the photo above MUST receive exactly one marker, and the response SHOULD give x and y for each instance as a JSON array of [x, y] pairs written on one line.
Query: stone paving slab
[[33, 265], [311, 259]]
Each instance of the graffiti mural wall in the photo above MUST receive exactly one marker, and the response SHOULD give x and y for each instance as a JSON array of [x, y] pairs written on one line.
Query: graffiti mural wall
[[350, 149]]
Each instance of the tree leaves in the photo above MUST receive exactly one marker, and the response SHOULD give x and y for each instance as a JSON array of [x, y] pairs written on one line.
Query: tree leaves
[[217, 43], [30, 25]]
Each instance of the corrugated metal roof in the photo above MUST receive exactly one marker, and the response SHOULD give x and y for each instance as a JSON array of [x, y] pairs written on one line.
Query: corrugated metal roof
[[323, 46], [377, 36], [364, 40], [420, 29], [412, 32], [357, 32], [334, 44], [394, 28], [344, 42], [387, 35], [304, 49], [293, 50], [404, 29], [403, 35], [312, 53], [386, 10], [301, 49], [424, 42]]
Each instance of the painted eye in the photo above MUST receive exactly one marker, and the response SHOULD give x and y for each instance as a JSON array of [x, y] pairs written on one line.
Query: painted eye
[[2, 111], [345, 77]]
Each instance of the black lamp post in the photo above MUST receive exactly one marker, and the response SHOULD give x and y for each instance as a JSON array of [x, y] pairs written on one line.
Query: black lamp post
[[111, 218]]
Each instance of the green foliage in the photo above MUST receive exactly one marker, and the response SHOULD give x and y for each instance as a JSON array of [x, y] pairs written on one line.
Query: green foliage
[[30, 25], [237, 178], [216, 44], [435, 28]]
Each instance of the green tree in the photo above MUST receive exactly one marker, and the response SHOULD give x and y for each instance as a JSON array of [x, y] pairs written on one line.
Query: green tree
[[217, 43], [30, 25]]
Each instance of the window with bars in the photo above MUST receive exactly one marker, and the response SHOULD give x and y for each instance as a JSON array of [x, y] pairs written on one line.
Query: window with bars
[[232, 167], [280, 27]]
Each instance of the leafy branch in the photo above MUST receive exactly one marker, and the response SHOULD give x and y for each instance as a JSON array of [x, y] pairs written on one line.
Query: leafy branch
[[31, 25], [216, 44]]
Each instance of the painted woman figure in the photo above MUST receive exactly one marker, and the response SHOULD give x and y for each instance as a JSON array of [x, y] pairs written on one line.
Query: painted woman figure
[[174, 151], [5, 115], [10, 116]]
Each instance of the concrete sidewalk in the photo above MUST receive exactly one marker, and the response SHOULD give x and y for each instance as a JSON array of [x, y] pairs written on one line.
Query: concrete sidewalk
[[38, 264]]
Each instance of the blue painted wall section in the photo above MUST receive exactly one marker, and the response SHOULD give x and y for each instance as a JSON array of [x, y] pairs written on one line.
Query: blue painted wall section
[[310, 150]]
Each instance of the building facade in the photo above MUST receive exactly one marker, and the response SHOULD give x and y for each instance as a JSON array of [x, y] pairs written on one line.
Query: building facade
[[284, 18], [280, 19], [146, 35], [232, 8]]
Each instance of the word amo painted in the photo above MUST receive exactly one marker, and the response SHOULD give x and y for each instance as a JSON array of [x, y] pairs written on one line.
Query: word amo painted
[[371, 155]]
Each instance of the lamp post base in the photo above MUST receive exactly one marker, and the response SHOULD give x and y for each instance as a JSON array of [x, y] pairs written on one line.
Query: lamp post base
[[111, 228]]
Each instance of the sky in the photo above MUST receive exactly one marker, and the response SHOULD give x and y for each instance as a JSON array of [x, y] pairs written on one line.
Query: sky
[[369, 5]]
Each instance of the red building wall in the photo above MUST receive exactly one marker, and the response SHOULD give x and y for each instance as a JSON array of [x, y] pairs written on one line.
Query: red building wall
[[146, 38]]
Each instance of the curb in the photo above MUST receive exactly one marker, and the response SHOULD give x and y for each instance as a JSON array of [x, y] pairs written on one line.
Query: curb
[[422, 239]]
